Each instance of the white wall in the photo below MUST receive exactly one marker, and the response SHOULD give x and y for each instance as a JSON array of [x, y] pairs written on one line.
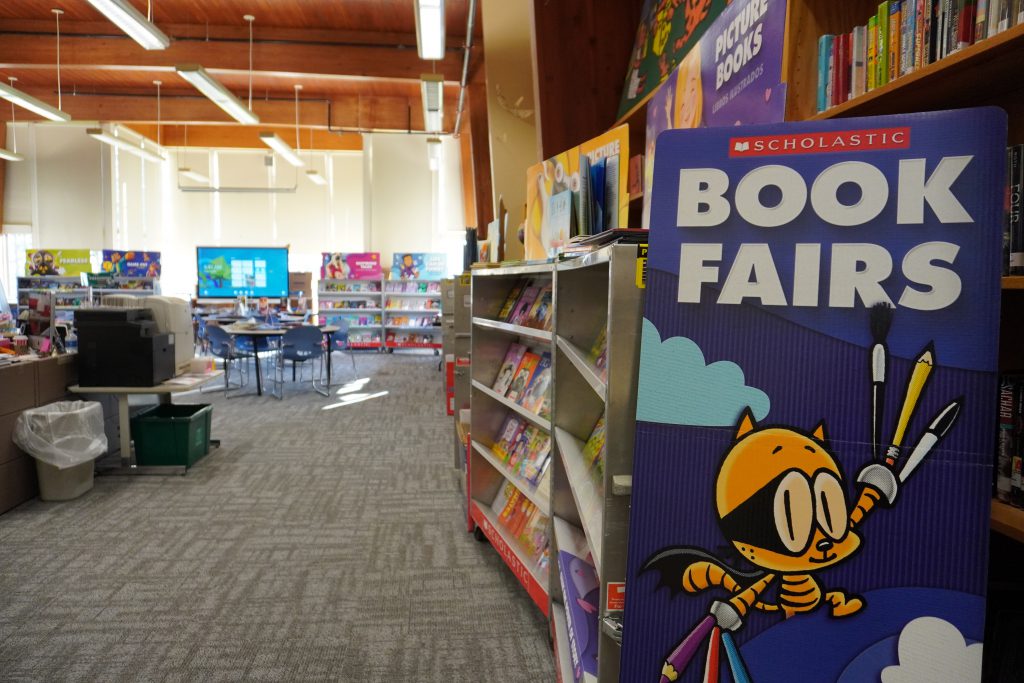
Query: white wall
[[75, 192]]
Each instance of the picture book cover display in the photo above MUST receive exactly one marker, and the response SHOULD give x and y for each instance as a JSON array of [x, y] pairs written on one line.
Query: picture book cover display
[[523, 375], [60, 262], [732, 76], [537, 391], [131, 263], [667, 32], [508, 368], [581, 589], [352, 266], [418, 266], [816, 407], [559, 189]]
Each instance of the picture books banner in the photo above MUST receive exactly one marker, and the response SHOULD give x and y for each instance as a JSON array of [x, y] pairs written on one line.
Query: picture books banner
[[816, 404], [582, 191], [418, 266], [131, 263], [58, 261], [732, 76], [668, 30], [342, 266]]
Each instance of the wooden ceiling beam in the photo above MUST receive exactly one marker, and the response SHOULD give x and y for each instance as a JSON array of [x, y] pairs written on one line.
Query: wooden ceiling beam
[[287, 58], [354, 113], [241, 32], [247, 137]]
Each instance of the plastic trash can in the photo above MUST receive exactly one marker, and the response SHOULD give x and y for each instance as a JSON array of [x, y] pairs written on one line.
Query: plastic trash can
[[172, 434], [64, 438]]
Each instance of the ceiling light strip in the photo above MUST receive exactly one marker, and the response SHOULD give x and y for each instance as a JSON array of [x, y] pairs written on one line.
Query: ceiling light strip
[[216, 92], [123, 15], [10, 156], [26, 101], [274, 142], [122, 144], [430, 29]]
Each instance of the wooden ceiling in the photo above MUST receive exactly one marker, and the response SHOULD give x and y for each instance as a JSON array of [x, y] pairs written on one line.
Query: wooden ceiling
[[356, 60]]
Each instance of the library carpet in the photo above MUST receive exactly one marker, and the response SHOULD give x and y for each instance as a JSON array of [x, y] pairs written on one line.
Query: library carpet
[[315, 545]]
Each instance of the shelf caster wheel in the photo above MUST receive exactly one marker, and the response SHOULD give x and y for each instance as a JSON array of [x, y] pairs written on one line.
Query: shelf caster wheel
[[436, 352], [478, 534]]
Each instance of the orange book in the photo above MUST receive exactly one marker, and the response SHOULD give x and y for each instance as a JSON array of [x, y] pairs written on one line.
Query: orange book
[[523, 375]]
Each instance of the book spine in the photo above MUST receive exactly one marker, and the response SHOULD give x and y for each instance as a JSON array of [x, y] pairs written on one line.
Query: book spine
[[847, 66], [872, 43], [995, 9], [1016, 485], [952, 27], [824, 54], [965, 23], [981, 20], [1007, 438], [830, 95], [895, 27], [920, 27], [1019, 15], [859, 59], [933, 31], [1016, 222], [882, 47], [908, 31]]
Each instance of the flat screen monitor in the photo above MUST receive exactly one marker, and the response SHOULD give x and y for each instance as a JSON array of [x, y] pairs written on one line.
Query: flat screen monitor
[[226, 272]]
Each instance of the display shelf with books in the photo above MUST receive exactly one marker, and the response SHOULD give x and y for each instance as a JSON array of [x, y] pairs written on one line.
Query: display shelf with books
[[69, 291], [510, 395], [358, 302], [596, 359], [412, 314], [105, 284]]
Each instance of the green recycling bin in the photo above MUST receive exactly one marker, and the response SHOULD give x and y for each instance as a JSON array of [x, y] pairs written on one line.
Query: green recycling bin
[[172, 434]]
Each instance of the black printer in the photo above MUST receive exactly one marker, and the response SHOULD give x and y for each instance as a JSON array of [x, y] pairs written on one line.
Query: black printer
[[121, 347]]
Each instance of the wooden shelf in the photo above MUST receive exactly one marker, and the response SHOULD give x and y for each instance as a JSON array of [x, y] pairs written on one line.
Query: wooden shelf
[[539, 495], [966, 78], [534, 419], [1013, 282], [524, 568], [1008, 520]]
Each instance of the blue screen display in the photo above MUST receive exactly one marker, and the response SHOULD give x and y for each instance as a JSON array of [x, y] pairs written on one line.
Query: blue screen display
[[225, 272]]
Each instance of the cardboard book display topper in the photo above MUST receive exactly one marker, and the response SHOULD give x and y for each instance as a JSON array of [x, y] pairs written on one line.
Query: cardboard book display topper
[[816, 404]]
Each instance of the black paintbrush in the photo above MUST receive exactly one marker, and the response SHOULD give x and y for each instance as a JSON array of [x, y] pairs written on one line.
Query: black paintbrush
[[881, 321]]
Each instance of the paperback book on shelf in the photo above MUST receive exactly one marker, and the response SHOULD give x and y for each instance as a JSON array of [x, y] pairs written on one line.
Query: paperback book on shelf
[[540, 312], [509, 435], [524, 304], [513, 357], [510, 301], [538, 390], [538, 454], [523, 375], [581, 590], [769, 379]]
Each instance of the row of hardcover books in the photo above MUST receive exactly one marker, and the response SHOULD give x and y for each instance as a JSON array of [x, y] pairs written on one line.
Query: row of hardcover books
[[525, 523], [524, 448], [1013, 223], [528, 305], [525, 377], [1008, 481], [904, 36]]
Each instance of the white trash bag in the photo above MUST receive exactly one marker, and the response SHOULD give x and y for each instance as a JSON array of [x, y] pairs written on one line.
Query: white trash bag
[[62, 434]]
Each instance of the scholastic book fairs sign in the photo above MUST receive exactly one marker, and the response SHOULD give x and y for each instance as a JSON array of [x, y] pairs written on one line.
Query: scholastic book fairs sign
[[406, 352]]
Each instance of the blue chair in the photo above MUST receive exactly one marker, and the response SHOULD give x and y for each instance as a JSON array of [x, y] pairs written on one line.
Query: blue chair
[[339, 342], [222, 345], [300, 345]]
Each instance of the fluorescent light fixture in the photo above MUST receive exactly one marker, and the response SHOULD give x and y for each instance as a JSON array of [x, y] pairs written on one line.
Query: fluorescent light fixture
[[274, 142], [131, 21], [9, 155], [434, 153], [126, 145], [430, 28], [218, 94], [193, 175], [32, 104], [316, 177], [432, 93]]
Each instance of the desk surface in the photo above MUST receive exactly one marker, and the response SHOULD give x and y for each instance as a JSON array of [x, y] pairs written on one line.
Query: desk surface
[[182, 383], [254, 331]]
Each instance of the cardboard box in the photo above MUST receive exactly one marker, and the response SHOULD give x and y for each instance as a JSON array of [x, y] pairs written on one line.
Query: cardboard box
[[300, 282]]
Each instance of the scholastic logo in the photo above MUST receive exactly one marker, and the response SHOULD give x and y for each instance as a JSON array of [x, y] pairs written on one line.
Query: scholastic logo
[[820, 143]]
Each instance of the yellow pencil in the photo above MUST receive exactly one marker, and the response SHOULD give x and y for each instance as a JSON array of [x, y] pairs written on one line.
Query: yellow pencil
[[915, 387]]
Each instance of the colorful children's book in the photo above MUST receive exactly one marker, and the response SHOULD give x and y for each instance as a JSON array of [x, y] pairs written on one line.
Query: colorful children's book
[[599, 352], [581, 589], [513, 357], [523, 306], [539, 388], [521, 447], [534, 535], [502, 497], [593, 451], [523, 375], [540, 313], [510, 301], [535, 463], [508, 436]]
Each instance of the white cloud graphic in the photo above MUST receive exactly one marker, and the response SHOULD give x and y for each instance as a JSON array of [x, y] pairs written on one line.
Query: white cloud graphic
[[677, 386], [933, 650]]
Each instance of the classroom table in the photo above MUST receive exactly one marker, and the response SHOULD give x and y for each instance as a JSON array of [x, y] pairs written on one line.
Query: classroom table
[[175, 385], [255, 334]]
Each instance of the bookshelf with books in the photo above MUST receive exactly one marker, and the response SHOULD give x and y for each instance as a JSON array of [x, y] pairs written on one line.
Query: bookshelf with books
[[412, 314], [510, 425], [597, 342], [359, 303], [69, 291], [106, 285]]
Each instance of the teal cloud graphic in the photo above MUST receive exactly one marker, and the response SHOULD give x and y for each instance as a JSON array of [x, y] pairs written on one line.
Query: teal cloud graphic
[[678, 387]]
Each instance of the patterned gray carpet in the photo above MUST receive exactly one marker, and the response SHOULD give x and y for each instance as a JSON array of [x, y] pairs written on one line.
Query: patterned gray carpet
[[315, 545]]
